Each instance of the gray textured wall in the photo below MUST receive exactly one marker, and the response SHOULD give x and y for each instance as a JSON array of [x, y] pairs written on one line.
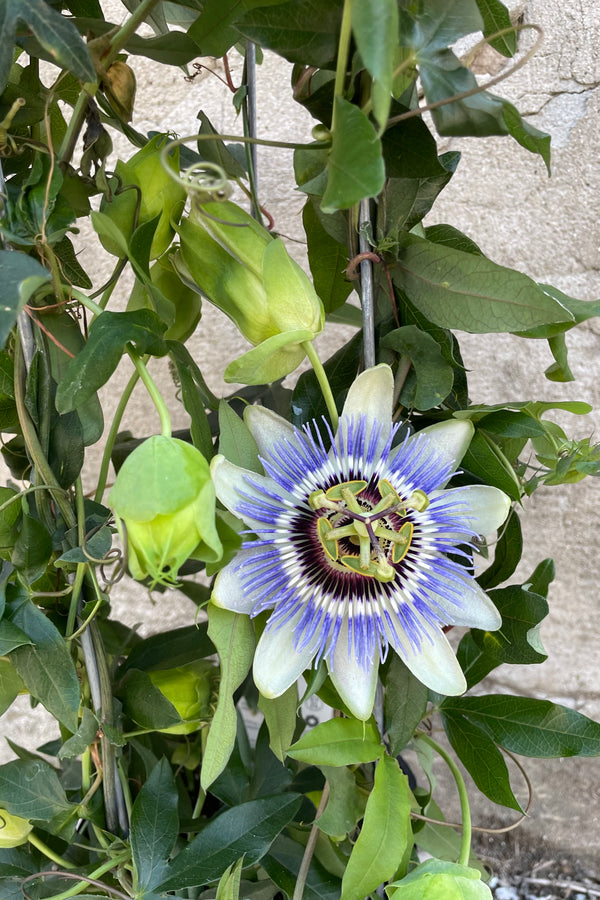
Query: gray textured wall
[[502, 197]]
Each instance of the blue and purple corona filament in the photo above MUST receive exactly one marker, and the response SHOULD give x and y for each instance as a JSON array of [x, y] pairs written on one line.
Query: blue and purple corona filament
[[357, 548]]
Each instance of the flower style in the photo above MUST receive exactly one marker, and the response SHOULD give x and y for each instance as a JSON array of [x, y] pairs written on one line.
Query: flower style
[[357, 548]]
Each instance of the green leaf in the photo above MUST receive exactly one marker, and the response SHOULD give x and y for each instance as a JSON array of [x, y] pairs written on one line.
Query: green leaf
[[233, 636], [355, 168], [346, 804], [405, 704], [433, 375], [10, 683], [57, 35], [559, 370], [516, 641], [521, 611], [441, 22], [170, 649], [282, 864], [109, 335], [144, 703], [154, 827], [30, 788], [83, 737], [408, 200], [45, 666], [20, 275], [451, 237], [281, 717], [216, 152], [193, 403], [410, 150], [11, 637], [525, 134], [248, 830], [496, 18], [385, 836], [485, 460], [536, 728], [228, 887], [482, 759], [9, 518], [235, 440], [462, 291], [338, 742], [302, 31], [507, 556], [375, 30], [327, 259], [214, 31]]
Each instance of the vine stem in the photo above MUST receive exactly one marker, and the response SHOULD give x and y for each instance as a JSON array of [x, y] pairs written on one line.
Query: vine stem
[[342, 56], [310, 847], [112, 435], [155, 395], [83, 881], [321, 375], [43, 848], [117, 42], [465, 811], [143, 373]]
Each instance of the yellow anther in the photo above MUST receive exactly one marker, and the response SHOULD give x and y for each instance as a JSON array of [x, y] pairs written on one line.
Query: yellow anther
[[401, 547], [418, 500], [324, 530], [319, 500], [336, 491]]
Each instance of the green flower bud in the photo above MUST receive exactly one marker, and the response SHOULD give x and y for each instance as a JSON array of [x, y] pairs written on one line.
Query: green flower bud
[[186, 303], [439, 880], [249, 275], [13, 830], [160, 195], [189, 689], [164, 503]]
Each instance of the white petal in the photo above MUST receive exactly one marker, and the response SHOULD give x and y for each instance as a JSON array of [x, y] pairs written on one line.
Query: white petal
[[434, 664], [372, 394], [231, 482], [355, 685], [267, 428], [228, 591], [486, 507], [474, 609], [277, 662], [449, 440]]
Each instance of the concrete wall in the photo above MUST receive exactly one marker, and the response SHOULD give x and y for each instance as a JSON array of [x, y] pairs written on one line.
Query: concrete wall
[[502, 197]]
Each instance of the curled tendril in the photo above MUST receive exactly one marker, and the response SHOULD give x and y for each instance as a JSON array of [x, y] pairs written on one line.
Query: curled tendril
[[203, 181]]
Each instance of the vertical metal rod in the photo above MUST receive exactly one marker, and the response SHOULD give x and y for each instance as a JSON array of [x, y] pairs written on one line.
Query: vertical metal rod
[[250, 116], [366, 285]]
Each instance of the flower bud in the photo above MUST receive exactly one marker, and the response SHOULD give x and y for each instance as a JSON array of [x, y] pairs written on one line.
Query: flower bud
[[250, 276], [13, 830], [189, 689], [160, 195], [436, 879], [164, 503], [119, 86], [187, 302]]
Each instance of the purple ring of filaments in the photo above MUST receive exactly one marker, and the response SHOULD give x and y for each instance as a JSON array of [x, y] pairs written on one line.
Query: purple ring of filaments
[[290, 573]]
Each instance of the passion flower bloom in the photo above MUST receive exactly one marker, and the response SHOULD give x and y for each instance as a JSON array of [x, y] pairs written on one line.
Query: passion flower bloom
[[357, 548]]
